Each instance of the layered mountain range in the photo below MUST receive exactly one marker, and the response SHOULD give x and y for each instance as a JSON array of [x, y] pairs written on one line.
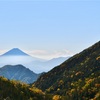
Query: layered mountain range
[[16, 56]]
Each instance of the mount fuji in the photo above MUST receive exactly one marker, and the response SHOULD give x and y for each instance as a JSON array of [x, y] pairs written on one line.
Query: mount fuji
[[15, 51], [16, 56], [19, 53]]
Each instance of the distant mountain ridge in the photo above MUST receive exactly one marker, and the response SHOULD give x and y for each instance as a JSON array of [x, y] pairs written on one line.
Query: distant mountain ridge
[[45, 66], [78, 78], [18, 72]]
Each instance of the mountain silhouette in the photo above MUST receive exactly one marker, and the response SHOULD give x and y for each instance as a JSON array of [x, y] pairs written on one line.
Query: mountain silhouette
[[15, 56], [15, 51]]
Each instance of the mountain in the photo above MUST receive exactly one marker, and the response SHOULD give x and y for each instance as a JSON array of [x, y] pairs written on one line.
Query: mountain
[[18, 72], [16, 56], [78, 78], [15, 51]]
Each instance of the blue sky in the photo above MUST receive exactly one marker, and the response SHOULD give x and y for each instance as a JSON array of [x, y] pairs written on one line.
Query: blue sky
[[49, 28]]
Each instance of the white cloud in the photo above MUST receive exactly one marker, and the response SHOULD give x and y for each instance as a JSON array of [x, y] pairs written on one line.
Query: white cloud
[[50, 54], [37, 52]]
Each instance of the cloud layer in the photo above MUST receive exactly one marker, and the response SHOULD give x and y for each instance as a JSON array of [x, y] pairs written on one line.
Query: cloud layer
[[50, 54], [44, 54]]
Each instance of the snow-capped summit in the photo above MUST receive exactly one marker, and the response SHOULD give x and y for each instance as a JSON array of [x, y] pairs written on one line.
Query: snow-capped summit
[[15, 51], [16, 56]]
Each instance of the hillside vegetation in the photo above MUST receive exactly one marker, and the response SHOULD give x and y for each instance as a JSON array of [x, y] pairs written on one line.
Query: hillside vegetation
[[78, 78], [14, 90]]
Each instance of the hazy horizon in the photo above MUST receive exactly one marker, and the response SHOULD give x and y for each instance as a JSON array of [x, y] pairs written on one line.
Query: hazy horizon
[[49, 29]]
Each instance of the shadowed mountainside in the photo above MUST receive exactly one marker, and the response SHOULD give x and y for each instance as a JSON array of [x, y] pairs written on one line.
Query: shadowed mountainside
[[78, 78]]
